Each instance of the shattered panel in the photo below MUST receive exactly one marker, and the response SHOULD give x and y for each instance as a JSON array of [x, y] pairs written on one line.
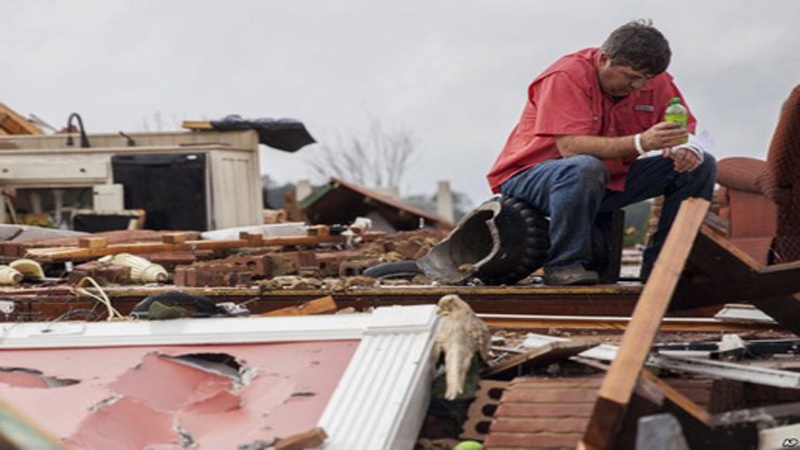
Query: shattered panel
[[175, 396]]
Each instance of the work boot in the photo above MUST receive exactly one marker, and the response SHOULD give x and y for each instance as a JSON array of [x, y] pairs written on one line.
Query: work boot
[[570, 276]]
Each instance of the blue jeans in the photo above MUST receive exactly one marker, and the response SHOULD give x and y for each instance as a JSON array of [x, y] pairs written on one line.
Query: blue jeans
[[571, 191]]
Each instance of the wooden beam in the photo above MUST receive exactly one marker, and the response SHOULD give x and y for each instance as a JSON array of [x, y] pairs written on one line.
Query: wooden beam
[[719, 272], [14, 123], [681, 401], [619, 384], [785, 309], [322, 305], [197, 125], [91, 247]]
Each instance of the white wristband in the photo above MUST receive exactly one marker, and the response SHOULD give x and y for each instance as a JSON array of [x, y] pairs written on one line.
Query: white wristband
[[637, 142]]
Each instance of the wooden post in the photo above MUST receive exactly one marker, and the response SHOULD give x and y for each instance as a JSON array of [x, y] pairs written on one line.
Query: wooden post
[[620, 381]]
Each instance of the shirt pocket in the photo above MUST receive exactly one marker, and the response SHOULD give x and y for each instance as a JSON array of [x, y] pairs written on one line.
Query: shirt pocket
[[644, 111], [645, 116]]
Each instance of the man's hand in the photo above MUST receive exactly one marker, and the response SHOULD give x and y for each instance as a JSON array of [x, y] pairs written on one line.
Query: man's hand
[[685, 159], [663, 135], [660, 136]]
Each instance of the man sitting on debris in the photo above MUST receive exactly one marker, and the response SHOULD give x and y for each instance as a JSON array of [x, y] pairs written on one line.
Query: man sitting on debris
[[575, 151]]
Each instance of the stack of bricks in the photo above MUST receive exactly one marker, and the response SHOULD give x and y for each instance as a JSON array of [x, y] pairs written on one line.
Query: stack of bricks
[[231, 271]]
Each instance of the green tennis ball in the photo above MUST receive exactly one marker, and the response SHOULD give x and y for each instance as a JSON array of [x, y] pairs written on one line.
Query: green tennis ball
[[468, 445]]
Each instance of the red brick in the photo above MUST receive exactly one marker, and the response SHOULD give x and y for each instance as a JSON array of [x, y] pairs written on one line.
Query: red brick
[[355, 267], [282, 264], [102, 272], [257, 265], [14, 249], [170, 260], [329, 262]]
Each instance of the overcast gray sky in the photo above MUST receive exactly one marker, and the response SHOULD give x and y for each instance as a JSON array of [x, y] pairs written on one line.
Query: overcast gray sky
[[454, 73]]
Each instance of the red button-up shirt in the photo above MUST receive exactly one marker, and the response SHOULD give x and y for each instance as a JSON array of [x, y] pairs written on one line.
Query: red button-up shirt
[[566, 99]]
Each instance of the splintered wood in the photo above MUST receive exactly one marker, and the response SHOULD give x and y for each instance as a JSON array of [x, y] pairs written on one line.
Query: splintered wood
[[94, 247], [623, 374]]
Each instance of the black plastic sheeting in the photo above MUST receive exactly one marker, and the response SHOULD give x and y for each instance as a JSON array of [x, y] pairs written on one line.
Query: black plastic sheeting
[[284, 134]]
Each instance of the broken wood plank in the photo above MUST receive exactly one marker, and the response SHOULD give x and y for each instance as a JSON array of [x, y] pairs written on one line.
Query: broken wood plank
[[175, 238], [323, 305], [785, 309], [718, 273], [309, 439], [197, 125], [655, 390], [652, 395], [92, 242], [677, 398], [13, 123], [78, 253], [537, 357], [618, 385], [92, 247]]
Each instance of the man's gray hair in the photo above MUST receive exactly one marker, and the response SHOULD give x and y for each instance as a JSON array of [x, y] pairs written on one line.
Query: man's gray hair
[[639, 45]]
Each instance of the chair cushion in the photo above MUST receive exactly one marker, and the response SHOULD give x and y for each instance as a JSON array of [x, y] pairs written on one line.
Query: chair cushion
[[741, 173]]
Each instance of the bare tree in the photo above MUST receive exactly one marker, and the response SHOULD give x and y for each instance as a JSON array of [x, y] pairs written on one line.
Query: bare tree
[[377, 158]]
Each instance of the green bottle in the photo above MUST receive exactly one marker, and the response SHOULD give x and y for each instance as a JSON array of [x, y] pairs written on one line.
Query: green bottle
[[676, 112]]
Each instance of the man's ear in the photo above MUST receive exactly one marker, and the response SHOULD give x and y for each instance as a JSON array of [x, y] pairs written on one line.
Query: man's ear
[[603, 59]]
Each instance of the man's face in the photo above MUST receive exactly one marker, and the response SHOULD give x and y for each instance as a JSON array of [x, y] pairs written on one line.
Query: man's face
[[619, 81]]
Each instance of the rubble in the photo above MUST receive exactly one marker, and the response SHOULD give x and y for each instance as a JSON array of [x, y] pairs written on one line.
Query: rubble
[[330, 265]]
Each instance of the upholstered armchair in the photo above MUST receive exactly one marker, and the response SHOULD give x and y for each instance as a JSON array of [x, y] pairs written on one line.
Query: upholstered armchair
[[761, 199]]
